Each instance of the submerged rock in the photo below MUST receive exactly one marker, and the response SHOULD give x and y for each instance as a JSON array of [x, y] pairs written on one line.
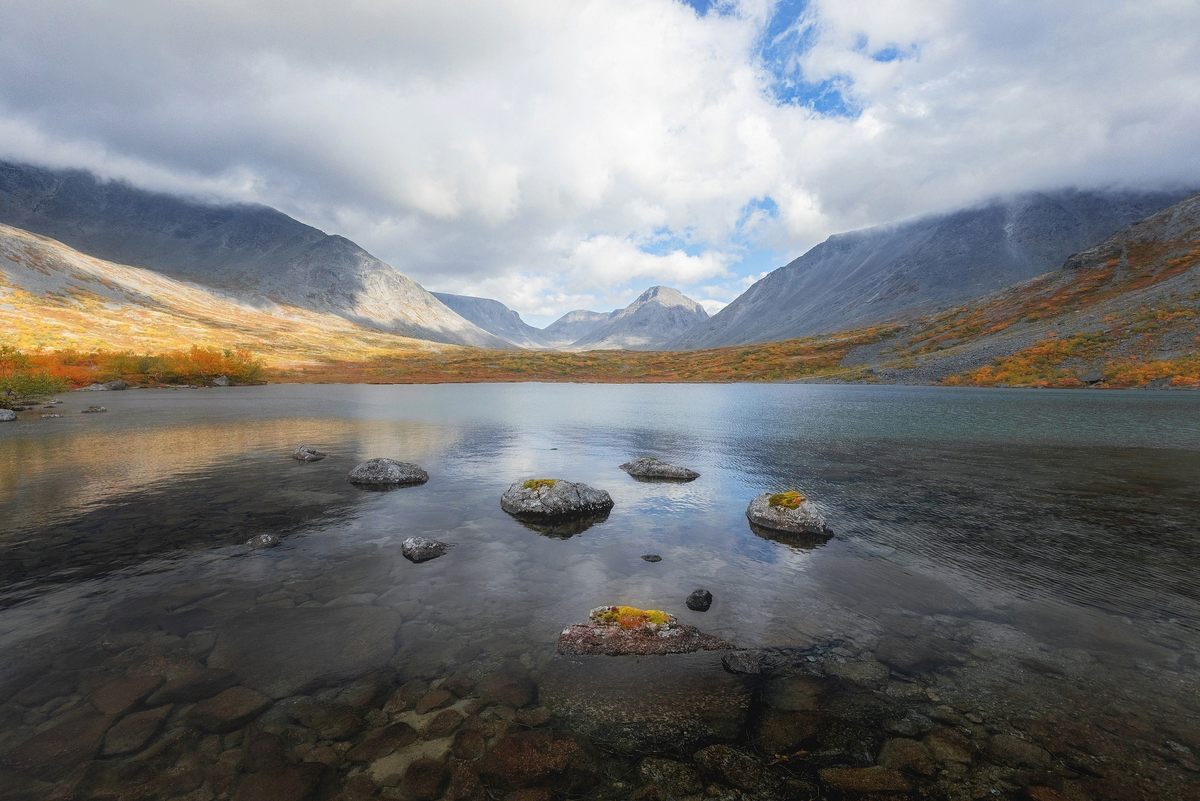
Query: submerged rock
[[662, 704], [651, 557], [50, 416], [420, 549], [699, 600], [264, 541], [552, 499], [307, 453], [789, 512], [387, 472], [743, 663], [93, 409], [650, 468], [624, 630]]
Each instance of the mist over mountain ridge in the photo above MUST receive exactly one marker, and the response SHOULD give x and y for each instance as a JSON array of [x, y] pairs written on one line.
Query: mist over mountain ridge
[[889, 272]]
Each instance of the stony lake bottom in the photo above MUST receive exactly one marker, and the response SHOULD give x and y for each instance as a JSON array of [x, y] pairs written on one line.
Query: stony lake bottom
[[1010, 607]]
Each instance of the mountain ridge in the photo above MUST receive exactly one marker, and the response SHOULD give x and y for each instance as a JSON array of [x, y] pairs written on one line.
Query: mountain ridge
[[256, 252], [890, 272]]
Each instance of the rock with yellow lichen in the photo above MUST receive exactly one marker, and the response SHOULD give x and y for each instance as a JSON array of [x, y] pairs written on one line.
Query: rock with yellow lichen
[[789, 512], [627, 630], [553, 499]]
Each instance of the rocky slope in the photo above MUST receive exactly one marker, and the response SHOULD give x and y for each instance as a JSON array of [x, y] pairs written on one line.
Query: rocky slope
[[495, 318], [573, 326], [254, 253], [901, 271], [61, 299], [658, 316], [1125, 312]]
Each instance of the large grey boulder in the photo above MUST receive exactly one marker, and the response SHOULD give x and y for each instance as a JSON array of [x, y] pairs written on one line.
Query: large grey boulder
[[387, 472], [7, 415], [110, 386], [655, 469], [789, 512], [551, 499], [221, 381]]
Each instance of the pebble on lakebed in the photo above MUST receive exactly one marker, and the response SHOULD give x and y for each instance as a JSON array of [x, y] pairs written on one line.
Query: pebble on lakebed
[[421, 549], [387, 472], [264, 541], [552, 498], [789, 512], [626, 630], [307, 453], [656, 469]]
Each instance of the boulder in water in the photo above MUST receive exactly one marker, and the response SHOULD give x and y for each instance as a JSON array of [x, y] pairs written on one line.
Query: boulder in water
[[307, 453], [94, 409], [221, 381], [553, 499], [648, 467], [7, 415], [387, 472], [108, 386], [789, 512], [264, 541], [421, 549], [699, 600], [625, 630]]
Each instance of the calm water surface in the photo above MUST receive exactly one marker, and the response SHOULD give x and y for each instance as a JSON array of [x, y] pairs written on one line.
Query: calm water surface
[[1055, 533]]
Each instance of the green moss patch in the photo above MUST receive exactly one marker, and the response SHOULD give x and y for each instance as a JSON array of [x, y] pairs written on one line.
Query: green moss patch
[[788, 500], [536, 484]]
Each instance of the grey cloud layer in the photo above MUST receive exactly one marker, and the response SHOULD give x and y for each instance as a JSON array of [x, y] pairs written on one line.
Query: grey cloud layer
[[534, 151]]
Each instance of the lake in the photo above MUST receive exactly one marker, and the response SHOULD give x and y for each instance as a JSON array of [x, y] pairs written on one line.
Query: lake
[[1010, 607]]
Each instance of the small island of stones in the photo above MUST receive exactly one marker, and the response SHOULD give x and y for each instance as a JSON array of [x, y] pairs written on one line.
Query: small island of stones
[[626, 630]]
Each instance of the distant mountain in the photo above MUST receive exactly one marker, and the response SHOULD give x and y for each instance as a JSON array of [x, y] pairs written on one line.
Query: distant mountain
[[659, 315], [573, 326], [255, 253], [906, 270], [495, 318]]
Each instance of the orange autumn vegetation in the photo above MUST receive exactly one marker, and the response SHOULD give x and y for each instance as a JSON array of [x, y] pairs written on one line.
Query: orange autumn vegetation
[[196, 365], [772, 361]]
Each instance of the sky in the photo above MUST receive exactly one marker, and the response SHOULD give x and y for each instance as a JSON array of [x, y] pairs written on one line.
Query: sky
[[561, 155]]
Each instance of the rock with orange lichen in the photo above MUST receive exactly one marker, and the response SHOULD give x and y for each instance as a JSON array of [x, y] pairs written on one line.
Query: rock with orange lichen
[[789, 512], [626, 630]]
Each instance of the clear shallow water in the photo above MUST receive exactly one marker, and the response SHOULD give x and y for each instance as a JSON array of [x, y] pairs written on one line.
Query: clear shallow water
[[1054, 525]]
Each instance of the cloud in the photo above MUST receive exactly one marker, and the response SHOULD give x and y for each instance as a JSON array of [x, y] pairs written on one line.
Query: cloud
[[562, 154]]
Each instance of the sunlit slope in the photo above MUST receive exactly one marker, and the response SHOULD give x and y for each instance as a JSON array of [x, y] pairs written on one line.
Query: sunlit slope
[[57, 298]]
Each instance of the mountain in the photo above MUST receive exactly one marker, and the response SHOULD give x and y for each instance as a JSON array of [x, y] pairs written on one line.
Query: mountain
[[906, 270], [573, 326], [1124, 312], [55, 297], [494, 317], [258, 254], [659, 315]]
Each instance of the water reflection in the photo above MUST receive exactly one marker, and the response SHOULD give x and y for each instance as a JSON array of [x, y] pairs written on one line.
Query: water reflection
[[982, 552]]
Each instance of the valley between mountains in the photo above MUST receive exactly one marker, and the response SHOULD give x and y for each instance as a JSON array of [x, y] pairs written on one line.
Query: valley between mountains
[[1065, 289]]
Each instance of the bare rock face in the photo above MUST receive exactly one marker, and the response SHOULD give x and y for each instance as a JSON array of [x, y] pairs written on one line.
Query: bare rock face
[[789, 512], [388, 472], [307, 453], [553, 499], [647, 467], [624, 630], [420, 549]]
